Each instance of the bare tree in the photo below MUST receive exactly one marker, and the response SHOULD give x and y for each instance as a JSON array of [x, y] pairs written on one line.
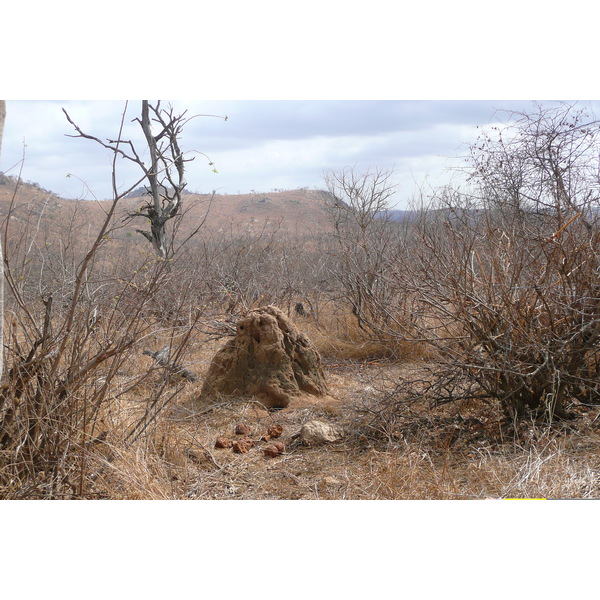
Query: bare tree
[[165, 174], [2, 119], [364, 234], [541, 162]]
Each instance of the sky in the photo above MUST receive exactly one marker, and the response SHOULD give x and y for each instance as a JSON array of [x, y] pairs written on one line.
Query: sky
[[304, 91], [263, 145]]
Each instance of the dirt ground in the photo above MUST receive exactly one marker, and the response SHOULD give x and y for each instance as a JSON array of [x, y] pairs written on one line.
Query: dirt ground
[[457, 452]]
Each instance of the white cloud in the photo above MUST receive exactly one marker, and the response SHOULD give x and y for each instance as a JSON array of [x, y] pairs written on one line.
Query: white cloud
[[262, 145]]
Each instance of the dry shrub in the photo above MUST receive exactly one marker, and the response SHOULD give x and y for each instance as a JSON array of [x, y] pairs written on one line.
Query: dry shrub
[[507, 271], [72, 353], [139, 474], [468, 450]]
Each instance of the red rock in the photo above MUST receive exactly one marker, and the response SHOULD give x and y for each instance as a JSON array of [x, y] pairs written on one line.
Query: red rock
[[243, 446], [223, 442], [271, 451], [275, 431]]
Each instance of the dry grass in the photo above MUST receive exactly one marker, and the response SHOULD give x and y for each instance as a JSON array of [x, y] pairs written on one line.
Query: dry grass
[[462, 451], [546, 471], [432, 454], [338, 337]]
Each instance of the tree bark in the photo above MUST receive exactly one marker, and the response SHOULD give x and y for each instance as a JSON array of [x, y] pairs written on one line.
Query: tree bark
[[2, 119]]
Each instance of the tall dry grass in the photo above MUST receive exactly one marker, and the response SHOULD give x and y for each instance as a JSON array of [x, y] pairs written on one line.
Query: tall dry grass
[[544, 470], [338, 336]]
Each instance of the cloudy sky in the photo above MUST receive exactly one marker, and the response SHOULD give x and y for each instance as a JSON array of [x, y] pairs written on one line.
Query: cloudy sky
[[304, 91], [263, 145]]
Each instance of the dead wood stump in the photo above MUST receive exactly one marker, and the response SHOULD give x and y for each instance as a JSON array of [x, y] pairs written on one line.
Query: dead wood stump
[[269, 360]]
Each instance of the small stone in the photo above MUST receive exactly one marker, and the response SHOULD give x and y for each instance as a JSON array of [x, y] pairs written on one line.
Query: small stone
[[243, 446], [274, 450], [315, 433], [223, 442], [275, 431], [242, 429]]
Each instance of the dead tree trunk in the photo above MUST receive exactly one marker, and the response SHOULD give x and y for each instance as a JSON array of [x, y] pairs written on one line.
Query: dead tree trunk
[[2, 119], [165, 200], [164, 176]]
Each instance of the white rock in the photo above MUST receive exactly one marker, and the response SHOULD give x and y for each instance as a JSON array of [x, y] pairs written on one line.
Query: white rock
[[315, 433]]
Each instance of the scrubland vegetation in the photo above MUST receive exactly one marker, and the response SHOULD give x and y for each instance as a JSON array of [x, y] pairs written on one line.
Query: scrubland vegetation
[[460, 343]]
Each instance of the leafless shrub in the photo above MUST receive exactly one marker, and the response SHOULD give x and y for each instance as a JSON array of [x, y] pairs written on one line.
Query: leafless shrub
[[246, 269], [75, 320], [507, 276], [365, 239]]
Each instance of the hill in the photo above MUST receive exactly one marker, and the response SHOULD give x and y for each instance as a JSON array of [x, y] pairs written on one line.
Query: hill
[[298, 212]]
